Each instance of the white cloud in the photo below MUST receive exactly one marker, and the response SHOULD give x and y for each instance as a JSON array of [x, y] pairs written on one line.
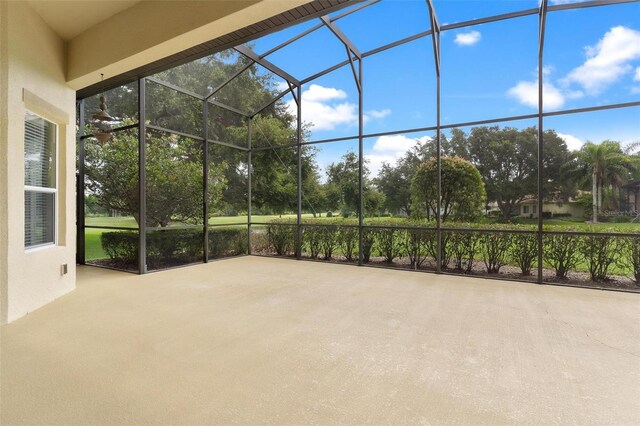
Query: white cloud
[[317, 93], [467, 39], [573, 143], [607, 61], [323, 116], [321, 110], [378, 114], [526, 92], [389, 149]]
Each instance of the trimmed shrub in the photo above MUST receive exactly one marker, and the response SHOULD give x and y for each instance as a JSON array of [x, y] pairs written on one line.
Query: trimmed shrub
[[260, 241], [225, 242], [411, 243], [169, 247], [311, 240], [561, 252], [463, 249], [368, 239], [328, 240], [495, 250], [631, 256], [386, 243], [431, 245], [599, 252], [282, 237], [524, 251], [121, 247], [348, 241]]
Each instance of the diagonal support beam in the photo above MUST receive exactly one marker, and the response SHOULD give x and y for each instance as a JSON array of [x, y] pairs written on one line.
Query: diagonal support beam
[[292, 89], [317, 27], [353, 69], [272, 101], [435, 35], [249, 53], [348, 45], [230, 79], [341, 36]]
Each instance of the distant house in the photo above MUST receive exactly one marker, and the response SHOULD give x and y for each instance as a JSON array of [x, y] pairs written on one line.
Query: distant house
[[554, 205], [568, 208], [632, 190]]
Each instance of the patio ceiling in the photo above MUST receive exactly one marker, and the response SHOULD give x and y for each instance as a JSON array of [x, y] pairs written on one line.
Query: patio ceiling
[[70, 18]]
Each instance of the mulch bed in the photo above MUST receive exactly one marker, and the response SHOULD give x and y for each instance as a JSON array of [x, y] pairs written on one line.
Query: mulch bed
[[580, 279]]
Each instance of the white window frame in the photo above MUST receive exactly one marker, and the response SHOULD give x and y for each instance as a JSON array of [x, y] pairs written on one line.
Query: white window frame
[[44, 190]]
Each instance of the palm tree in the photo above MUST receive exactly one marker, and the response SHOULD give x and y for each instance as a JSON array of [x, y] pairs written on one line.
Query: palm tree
[[606, 164]]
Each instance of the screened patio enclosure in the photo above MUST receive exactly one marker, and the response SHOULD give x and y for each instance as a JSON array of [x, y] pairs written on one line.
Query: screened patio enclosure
[[419, 135]]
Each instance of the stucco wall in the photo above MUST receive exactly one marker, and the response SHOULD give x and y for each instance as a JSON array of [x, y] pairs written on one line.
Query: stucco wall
[[3, 156], [35, 65]]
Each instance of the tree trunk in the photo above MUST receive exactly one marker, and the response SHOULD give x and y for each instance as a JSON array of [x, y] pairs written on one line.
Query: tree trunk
[[594, 196], [600, 189]]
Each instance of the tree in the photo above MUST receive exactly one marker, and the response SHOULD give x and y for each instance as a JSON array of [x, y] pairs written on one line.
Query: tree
[[174, 180], [395, 181], [174, 164], [373, 201], [507, 161], [603, 165], [344, 175], [462, 194], [395, 184], [274, 171]]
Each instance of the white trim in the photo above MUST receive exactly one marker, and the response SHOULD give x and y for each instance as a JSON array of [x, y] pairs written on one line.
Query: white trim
[[39, 247], [42, 188], [47, 190]]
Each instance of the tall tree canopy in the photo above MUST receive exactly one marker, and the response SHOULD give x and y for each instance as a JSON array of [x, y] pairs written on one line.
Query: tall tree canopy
[[463, 195], [602, 166], [174, 163]]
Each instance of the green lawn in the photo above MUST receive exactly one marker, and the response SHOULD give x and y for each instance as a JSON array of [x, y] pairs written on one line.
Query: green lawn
[[93, 247]]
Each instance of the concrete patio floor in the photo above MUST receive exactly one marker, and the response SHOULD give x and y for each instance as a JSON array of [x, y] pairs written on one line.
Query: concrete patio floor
[[273, 341]]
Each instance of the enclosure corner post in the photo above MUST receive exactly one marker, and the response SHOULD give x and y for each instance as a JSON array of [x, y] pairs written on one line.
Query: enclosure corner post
[[541, 28], [298, 250], [435, 38], [249, 174], [142, 249], [205, 183], [80, 209], [360, 164]]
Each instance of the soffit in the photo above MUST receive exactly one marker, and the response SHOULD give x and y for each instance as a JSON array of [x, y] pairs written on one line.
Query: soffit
[[307, 11]]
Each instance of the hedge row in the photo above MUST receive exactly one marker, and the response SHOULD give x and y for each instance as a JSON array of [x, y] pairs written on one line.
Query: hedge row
[[173, 246], [461, 249]]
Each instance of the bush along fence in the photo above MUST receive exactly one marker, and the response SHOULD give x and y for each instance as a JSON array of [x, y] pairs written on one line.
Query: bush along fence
[[171, 247], [582, 257]]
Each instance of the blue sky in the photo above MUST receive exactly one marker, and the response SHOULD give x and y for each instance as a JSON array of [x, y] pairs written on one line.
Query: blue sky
[[592, 57]]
